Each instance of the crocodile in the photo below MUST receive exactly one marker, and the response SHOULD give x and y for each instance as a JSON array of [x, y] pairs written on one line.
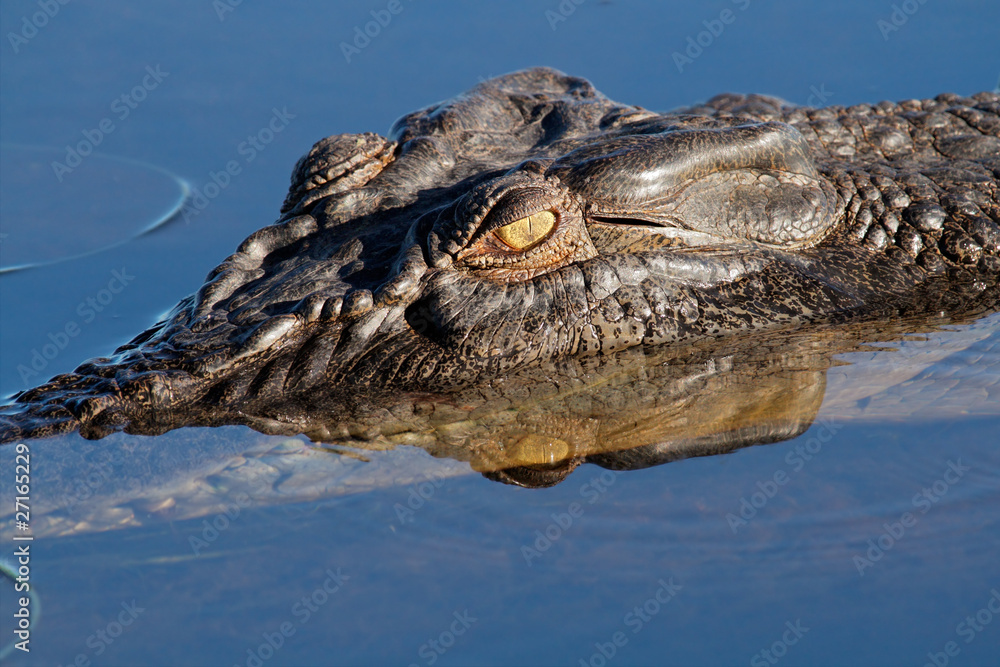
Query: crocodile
[[531, 224], [632, 410]]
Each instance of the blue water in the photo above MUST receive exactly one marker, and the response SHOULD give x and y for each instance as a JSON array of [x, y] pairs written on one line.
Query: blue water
[[217, 77]]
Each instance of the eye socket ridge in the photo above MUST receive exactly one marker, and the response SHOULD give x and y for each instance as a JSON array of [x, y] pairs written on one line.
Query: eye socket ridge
[[515, 205]]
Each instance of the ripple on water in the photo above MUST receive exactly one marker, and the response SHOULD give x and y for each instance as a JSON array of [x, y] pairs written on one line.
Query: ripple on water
[[101, 203]]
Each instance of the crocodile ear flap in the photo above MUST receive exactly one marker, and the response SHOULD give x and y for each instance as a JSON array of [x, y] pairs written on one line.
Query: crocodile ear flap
[[771, 207], [752, 182], [335, 165]]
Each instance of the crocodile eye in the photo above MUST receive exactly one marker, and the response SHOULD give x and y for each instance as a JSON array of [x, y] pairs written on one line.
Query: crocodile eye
[[525, 233]]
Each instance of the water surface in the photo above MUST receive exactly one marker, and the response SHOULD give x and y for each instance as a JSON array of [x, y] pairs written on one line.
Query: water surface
[[890, 425]]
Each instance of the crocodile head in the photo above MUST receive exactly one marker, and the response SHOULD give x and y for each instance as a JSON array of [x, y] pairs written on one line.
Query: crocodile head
[[530, 220]]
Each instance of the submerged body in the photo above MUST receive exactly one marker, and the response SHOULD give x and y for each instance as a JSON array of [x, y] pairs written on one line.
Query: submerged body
[[531, 221]]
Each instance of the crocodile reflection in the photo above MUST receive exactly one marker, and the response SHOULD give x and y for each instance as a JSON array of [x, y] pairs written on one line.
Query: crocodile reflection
[[635, 409], [632, 410]]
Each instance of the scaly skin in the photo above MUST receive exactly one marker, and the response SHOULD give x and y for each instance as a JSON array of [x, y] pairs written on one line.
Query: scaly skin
[[386, 272]]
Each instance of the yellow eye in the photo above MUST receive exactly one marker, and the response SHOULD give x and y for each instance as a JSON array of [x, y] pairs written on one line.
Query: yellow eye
[[526, 232]]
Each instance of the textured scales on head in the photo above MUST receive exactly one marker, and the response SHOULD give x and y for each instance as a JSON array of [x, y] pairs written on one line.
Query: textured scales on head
[[530, 220]]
